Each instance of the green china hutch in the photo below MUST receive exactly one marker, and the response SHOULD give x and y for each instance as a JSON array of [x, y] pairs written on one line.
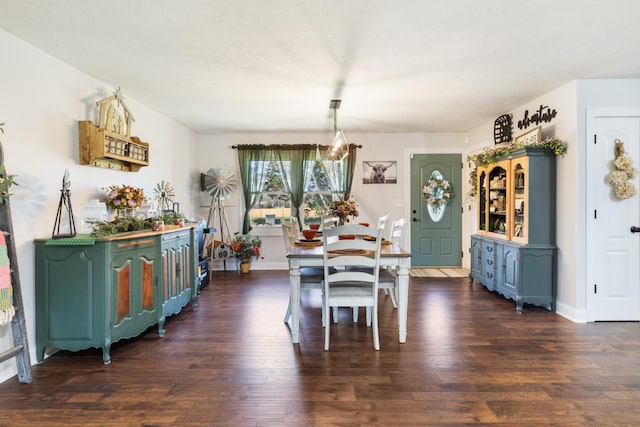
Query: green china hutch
[[513, 251]]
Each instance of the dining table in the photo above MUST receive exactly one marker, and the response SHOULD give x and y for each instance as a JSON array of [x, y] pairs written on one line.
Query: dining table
[[312, 255]]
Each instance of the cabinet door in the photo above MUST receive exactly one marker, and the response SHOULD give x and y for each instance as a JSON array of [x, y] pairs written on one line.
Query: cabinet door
[[476, 258], [498, 181], [510, 265], [483, 201], [519, 209], [132, 287], [178, 269], [489, 264]]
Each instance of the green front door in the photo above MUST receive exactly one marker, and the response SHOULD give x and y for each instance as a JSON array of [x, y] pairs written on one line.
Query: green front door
[[436, 232]]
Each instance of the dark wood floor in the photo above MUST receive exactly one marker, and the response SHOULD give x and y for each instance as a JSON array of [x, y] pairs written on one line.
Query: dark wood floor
[[469, 359]]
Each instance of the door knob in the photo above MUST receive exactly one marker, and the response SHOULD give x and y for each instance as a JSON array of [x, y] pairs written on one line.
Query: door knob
[[635, 229]]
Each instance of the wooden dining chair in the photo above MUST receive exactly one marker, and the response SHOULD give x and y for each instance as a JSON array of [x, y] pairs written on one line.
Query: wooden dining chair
[[354, 282], [310, 277]]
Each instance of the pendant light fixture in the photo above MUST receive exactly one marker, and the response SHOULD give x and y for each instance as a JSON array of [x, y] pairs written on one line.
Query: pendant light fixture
[[339, 148]]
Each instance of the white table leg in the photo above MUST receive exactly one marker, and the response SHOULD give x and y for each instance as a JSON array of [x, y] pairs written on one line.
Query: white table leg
[[403, 298], [294, 298]]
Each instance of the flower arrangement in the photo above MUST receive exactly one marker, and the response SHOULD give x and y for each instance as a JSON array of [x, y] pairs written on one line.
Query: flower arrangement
[[623, 173], [437, 192], [344, 207], [124, 197], [245, 247]]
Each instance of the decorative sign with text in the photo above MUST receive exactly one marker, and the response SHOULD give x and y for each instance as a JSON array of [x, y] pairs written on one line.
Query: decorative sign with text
[[544, 114]]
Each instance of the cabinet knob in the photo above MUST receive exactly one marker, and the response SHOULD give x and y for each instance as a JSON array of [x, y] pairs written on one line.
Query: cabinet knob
[[635, 229]]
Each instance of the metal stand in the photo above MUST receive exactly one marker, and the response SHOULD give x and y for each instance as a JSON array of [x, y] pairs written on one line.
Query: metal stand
[[65, 215], [223, 251]]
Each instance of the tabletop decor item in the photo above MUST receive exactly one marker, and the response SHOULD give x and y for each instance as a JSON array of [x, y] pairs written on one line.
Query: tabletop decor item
[[620, 178], [125, 198], [245, 247], [344, 208]]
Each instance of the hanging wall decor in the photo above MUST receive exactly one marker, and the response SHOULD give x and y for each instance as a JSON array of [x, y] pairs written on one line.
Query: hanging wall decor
[[380, 172], [502, 129], [110, 144], [620, 178]]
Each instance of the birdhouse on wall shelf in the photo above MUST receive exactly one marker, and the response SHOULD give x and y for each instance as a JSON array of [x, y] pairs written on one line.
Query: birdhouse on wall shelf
[[110, 144]]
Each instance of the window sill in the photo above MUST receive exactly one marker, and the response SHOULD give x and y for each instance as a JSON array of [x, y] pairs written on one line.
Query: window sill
[[267, 231]]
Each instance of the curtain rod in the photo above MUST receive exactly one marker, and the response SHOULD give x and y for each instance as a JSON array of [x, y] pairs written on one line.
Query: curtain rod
[[235, 147]]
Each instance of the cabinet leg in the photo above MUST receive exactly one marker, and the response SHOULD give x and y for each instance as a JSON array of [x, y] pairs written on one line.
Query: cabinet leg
[[106, 356], [40, 354], [161, 329]]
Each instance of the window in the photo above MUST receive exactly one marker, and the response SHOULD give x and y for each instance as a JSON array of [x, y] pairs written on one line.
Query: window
[[290, 179], [317, 192], [273, 203]]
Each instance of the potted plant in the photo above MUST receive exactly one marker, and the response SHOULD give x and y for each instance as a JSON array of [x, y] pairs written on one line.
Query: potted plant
[[245, 247]]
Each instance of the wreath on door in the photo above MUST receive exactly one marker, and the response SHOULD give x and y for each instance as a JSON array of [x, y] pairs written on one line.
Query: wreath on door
[[620, 178]]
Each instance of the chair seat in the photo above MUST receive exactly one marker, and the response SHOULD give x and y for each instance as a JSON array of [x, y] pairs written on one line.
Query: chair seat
[[312, 274], [386, 278], [309, 275], [351, 289]]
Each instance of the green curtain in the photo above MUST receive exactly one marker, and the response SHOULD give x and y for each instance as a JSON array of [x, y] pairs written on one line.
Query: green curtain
[[295, 179], [340, 173], [253, 161], [349, 165]]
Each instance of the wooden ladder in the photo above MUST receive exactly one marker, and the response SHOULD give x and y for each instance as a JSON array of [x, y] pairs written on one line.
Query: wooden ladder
[[20, 349]]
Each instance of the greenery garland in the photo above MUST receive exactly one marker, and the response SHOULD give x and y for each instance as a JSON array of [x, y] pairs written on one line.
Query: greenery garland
[[131, 223], [493, 154]]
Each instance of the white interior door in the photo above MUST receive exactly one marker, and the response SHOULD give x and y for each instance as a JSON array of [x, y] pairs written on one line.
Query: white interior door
[[613, 250]]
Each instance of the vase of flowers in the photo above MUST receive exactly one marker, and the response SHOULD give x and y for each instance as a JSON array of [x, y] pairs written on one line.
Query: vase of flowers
[[245, 248], [124, 198], [344, 208]]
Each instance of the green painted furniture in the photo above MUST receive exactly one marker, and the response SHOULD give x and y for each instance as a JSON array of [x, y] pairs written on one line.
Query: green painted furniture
[[180, 282], [513, 251], [92, 293]]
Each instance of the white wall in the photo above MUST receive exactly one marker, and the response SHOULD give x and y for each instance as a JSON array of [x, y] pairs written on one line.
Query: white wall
[[42, 101], [374, 200]]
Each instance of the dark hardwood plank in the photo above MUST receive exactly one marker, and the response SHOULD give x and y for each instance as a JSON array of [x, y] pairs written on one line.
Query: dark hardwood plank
[[469, 359]]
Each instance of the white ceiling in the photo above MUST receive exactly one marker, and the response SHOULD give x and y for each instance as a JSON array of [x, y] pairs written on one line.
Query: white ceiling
[[274, 65]]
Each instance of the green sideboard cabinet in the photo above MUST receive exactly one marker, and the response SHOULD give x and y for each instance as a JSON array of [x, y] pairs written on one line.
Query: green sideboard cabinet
[[513, 251], [94, 293]]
